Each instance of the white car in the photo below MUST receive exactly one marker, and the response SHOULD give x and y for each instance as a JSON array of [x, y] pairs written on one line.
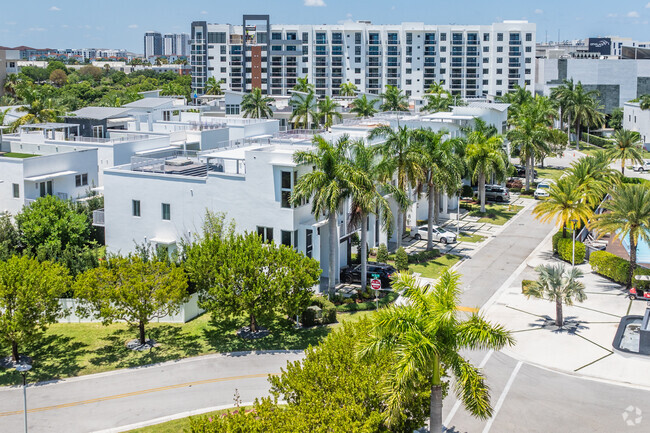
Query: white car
[[439, 234], [543, 189], [642, 167]]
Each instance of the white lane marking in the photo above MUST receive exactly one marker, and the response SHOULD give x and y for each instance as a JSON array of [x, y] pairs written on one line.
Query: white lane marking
[[502, 397], [456, 406]]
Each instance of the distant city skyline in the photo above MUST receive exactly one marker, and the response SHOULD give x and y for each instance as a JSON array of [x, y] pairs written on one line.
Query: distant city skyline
[[122, 24]]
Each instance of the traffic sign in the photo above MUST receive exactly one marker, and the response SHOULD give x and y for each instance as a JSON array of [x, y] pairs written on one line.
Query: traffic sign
[[375, 284]]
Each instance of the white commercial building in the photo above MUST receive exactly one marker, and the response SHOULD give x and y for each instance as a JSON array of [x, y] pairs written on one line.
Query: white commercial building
[[471, 60], [636, 119]]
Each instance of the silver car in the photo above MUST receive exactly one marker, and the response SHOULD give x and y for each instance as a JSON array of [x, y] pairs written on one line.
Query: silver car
[[439, 234]]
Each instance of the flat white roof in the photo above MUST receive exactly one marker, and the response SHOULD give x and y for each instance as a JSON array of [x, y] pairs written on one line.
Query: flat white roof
[[50, 175]]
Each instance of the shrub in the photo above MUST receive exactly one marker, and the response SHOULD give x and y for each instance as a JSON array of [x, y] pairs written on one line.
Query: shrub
[[525, 284], [309, 318], [557, 236], [467, 191], [514, 183], [633, 180], [401, 260], [565, 250], [527, 191], [382, 253], [423, 256], [515, 189], [596, 140], [615, 268]]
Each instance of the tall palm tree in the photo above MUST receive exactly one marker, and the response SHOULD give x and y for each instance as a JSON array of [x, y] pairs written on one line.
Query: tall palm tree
[[38, 108], [564, 204], [627, 146], [627, 215], [426, 336], [3, 114], [583, 108], [348, 89], [593, 177], [517, 98], [558, 284], [363, 107], [257, 105], [438, 99], [213, 87], [333, 179], [485, 157], [327, 111], [304, 109], [394, 100], [401, 159], [443, 167], [563, 94], [303, 85], [367, 199]]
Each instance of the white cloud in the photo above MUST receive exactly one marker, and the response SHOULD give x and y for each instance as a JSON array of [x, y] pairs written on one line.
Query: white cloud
[[133, 26], [647, 6], [55, 9], [204, 12], [612, 15], [633, 14], [539, 11], [348, 19], [315, 3]]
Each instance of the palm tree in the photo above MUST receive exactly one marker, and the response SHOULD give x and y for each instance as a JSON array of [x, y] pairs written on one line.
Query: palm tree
[[304, 109], [3, 114], [256, 105], [213, 87], [10, 84], [363, 107], [367, 199], [593, 176], [37, 108], [333, 179], [438, 99], [627, 215], [348, 89], [443, 167], [303, 85], [558, 284], [518, 98], [485, 157], [644, 101], [426, 336], [564, 204], [327, 111], [583, 108], [627, 145], [394, 100], [401, 158], [563, 94]]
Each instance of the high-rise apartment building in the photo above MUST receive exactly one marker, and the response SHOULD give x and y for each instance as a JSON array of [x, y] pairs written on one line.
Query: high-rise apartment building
[[176, 44], [470, 60], [153, 44]]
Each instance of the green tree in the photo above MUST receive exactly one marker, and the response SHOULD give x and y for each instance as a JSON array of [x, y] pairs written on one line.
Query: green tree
[[558, 284], [438, 99], [91, 72], [257, 105], [304, 110], [644, 102], [627, 146], [3, 115], [332, 180], [382, 253], [55, 65], [582, 107], [29, 293], [348, 89], [327, 111], [213, 87], [58, 77], [303, 85], [253, 278], [485, 158], [425, 336], [616, 118], [518, 98], [394, 99], [627, 215], [133, 290], [593, 176], [401, 260], [564, 204], [401, 159], [9, 237], [363, 107]]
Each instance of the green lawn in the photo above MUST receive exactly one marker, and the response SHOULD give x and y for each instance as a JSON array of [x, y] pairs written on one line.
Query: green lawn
[[179, 425], [497, 214], [468, 237], [549, 173], [18, 155], [433, 268], [74, 349]]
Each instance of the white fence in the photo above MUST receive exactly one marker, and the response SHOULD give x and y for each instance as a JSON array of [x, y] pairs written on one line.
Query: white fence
[[187, 312]]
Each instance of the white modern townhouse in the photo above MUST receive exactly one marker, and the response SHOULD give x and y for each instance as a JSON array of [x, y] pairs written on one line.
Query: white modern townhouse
[[470, 60], [636, 119]]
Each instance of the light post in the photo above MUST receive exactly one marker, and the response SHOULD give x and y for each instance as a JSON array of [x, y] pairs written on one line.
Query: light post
[[573, 256], [23, 369], [458, 215]]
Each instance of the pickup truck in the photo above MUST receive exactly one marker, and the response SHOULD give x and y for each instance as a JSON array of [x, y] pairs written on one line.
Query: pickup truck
[[642, 167]]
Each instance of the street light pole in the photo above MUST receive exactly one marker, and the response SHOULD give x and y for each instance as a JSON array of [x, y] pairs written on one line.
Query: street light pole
[[23, 369], [458, 216], [573, 256]]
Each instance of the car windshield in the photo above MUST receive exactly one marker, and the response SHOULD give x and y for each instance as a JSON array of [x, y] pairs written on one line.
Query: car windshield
[[544, 186]]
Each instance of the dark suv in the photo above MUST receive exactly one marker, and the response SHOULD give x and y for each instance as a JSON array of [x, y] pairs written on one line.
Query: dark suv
[[353, 275]]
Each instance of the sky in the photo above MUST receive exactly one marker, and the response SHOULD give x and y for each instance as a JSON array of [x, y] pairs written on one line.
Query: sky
[[121, 24]]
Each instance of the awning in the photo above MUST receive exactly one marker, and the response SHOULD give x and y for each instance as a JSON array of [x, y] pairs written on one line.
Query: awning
[[163, 241], [50, 176]]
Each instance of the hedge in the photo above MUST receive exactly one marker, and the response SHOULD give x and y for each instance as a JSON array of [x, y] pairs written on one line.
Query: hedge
[[565, 250], [423, 256], [596, 140], [369, 304], [557, 236], [328, 312], [615, 268]]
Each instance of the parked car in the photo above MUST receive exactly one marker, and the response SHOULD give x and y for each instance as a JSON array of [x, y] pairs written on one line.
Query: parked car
[[353, 274], [439, 234], [642, 167], [543, 189], [497, 193], [520, 170]]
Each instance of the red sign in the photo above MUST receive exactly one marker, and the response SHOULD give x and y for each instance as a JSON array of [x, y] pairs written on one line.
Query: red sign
[[375, 284]]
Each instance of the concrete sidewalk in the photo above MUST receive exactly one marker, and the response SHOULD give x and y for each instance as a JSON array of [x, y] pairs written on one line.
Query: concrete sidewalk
[[584, 345]]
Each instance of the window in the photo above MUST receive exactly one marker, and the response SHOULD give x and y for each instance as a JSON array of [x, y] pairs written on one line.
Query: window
[[223, 70], [499, 82], [529, 49], [266, 233], [16, 188], [135, 208], [408, 71], [357, 70], [232, 109], [166, 211], [485, 82], [499, 71], [357, 38], [98, 131], [409, 38], [286, 237], [309, 245], [285, 188], [500, 37], [486, 71], [305, 70], [276, 47], [527, 72], [276, 36], [408, 82], [81, 180], [486, 60], [216, 37], [357, 81], [529, 37], [443, 36], [357, 60], [527, 60], [409, 50], [486, 49], [305, 36], [499, 59], [486, 37], [357, 50], [45, 188], [223, 49], [499, 49]]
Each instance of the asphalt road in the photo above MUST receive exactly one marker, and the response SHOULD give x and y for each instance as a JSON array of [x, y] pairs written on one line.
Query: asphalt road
[[98, 402]]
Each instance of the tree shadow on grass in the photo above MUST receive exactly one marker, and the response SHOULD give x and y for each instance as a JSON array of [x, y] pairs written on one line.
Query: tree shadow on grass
[[173, 344], [221, 335], [54, 356]]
